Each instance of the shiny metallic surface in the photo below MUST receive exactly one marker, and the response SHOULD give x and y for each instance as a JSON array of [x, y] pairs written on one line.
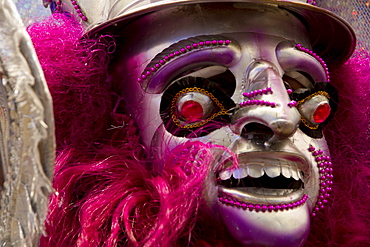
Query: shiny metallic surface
[[27, 135], [266, 139]]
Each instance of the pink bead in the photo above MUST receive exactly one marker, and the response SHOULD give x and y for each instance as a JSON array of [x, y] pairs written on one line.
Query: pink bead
[[227, 42], [183, 50], [201, 43], [208, 42], [195, 45]]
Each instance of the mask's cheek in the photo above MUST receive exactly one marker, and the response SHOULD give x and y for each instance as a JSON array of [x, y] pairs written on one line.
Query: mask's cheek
[[164, 142], [303, 143]]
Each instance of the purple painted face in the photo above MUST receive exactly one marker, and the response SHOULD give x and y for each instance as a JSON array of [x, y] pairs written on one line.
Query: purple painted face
[[248, 86]]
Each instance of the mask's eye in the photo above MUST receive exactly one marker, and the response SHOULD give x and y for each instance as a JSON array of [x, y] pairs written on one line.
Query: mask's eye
[[194, 107], [315, 109]]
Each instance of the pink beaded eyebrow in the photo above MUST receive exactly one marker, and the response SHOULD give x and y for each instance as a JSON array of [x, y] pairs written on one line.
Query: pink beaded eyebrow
[[150, 71], [317, 57]]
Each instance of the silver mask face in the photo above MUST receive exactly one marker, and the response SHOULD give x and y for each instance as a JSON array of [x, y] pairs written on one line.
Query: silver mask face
[[226, 77]]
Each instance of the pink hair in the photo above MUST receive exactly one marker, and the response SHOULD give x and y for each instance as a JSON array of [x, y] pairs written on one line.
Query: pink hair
[[107, 196]]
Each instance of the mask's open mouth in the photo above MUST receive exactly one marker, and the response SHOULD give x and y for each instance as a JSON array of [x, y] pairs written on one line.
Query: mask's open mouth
[[278, 186], [271, 180]]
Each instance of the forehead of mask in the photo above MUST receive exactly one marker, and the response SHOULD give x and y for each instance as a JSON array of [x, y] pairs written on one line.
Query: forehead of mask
[[253, 27]]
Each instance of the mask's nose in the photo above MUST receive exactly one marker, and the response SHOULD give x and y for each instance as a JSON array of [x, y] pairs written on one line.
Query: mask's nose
[[267, 112]]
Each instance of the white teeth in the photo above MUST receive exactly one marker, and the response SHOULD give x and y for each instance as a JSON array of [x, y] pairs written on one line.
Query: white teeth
[[300, 175], [272, 171], [255, 170], [285, 170], [240, 173], [225, 174], [295, 173]]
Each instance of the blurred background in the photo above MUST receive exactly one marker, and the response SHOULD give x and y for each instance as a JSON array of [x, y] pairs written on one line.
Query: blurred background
[[356, 12]]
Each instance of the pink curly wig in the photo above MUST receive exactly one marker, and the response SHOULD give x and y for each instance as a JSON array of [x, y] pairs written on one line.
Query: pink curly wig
[[105, 195]]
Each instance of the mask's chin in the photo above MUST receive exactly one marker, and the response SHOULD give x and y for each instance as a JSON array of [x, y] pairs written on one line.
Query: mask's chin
[[281, 228]]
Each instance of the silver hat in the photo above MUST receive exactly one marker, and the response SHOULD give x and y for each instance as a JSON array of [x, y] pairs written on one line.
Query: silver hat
[[332, 37]]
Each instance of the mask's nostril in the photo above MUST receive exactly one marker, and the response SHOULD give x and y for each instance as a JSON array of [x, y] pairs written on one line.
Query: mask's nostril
[[257, 132]]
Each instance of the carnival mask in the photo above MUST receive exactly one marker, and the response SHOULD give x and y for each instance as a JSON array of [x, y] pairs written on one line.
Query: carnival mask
[[243, 78]]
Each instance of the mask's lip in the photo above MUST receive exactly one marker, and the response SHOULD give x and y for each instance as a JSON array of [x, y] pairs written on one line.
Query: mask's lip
[[264, 157], [260, 199]]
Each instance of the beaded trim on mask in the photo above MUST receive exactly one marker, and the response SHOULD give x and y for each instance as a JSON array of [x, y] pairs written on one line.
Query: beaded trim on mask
[[317, 57], [262, 208], [326, 176], [255, 93], [187, 48]]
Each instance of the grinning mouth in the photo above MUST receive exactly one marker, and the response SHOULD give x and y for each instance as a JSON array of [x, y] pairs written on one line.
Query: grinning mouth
[[272, 179]]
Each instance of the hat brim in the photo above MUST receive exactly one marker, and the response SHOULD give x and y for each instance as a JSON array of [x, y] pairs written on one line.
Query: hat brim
[[332, 38]]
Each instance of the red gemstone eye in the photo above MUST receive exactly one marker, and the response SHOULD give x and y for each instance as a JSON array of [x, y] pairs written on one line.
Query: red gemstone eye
[[321, 113], [192, 110]]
